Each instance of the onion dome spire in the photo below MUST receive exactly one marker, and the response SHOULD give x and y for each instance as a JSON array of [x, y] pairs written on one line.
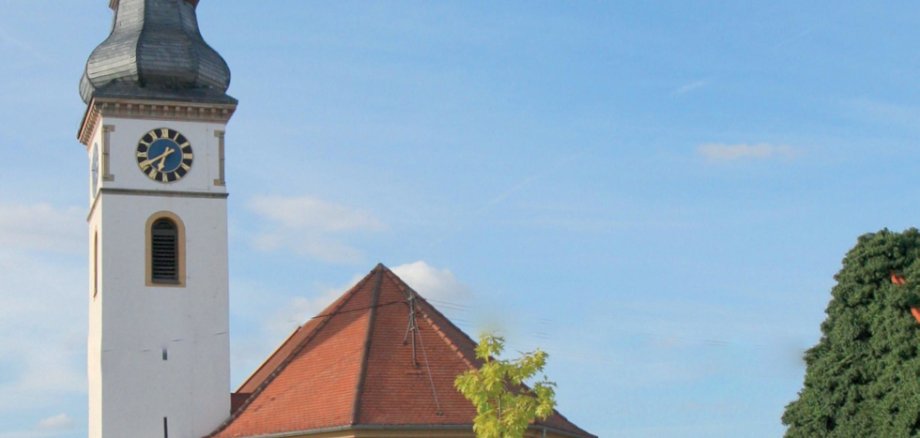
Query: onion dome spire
[[155, 51]]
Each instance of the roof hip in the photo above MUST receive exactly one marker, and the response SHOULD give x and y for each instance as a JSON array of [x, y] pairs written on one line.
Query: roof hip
[[362, 376]]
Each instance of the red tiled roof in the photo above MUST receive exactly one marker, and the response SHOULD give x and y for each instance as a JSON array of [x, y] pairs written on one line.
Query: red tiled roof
[[355, 366]]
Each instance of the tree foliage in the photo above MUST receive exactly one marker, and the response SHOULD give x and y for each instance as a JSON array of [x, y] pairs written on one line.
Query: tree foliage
[[863, 376], [505, 405]]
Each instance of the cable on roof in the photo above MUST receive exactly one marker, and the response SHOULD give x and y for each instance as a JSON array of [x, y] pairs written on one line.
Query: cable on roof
[[390, 303], [434, 391], [413, 329]]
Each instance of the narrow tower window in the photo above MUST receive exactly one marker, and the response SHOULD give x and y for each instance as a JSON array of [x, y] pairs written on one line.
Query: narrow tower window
[[95, 264], [106, 141], [220, 181], [164, 249]]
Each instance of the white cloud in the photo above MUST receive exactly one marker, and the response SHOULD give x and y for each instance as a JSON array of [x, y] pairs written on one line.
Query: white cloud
[[41, 227], [311, 227], [433, 283], [43, 307], [54, 426], [273, 314], [306, 213], [57, 422], [439, 285], [733, 152], [884, 113], [299, 310], [307, 244], [9, 41], [692, 86]]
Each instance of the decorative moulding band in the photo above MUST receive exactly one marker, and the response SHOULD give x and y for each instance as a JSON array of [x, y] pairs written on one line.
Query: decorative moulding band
[[164, 193], [158, 193], [139, 109]]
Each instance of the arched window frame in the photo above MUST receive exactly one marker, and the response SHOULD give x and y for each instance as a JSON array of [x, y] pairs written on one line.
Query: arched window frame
[[180, 250], [96, 266]]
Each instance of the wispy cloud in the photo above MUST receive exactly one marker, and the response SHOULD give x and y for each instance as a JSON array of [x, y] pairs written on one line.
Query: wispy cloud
[[311, 227], [500, 198], [38, 227], [305, 212], [736, 152], [9, 41], [56, 422], [436, 284], [272, 323], [300, 309], [884, 112], [690, 87], [433, 283], [54, 426], [44, 305], [793, 38]]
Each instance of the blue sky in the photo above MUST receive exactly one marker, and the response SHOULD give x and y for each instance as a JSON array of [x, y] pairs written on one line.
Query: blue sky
[[656, 193]]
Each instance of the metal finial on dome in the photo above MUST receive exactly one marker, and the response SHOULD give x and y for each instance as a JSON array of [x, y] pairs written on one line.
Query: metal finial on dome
[[155, 51]]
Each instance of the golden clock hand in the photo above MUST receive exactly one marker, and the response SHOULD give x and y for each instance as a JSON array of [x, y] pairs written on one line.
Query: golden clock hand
[[161, 158], [148, 162], [163, 162]]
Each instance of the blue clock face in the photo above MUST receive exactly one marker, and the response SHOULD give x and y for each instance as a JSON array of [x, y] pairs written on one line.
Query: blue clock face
[[164, 155]]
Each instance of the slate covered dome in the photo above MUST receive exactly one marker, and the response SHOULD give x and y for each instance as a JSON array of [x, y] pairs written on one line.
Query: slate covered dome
[[155, 51]]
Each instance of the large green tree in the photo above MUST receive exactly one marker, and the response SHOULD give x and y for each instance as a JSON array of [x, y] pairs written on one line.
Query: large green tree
[[505, 406], [863, 377]]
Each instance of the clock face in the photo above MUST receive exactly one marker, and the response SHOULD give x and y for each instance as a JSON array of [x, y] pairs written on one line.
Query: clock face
[[164, 155]]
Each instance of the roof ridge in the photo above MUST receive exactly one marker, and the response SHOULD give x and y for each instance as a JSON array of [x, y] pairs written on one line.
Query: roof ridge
[[362, 374], [543, 424], [270, 356], [335, 306], [361, 391], [470, 362]]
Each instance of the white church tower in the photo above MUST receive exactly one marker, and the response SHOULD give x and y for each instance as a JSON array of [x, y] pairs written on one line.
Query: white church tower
[[158, 353]]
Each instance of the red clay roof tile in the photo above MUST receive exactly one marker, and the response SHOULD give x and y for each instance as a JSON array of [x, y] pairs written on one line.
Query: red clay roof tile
[[358, 364]]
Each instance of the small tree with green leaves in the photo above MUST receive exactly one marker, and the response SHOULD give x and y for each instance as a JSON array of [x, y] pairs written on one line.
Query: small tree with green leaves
[[505, 405]]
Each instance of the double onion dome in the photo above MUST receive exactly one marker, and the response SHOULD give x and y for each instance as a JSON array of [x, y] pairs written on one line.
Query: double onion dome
[[155, 51]]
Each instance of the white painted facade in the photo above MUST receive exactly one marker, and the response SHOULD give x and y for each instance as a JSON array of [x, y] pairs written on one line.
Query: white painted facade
[[157, 352]]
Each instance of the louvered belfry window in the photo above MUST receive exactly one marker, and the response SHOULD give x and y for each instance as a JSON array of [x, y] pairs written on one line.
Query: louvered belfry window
[[164, 252]]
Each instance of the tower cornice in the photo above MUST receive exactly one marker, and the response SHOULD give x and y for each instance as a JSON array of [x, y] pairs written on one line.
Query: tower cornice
[[151, 109]]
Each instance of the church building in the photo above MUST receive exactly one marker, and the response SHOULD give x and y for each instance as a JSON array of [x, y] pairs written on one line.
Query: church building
[[378, 362]]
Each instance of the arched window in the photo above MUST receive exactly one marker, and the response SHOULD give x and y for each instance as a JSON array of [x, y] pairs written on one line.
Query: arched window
[[165, 250], [95, 264]]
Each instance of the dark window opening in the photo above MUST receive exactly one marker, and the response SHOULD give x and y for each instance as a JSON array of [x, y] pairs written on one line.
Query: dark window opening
[[164, 252], [165, 354], [165, 428]]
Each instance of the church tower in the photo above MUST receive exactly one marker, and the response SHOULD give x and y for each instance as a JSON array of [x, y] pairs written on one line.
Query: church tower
[[158, 350]]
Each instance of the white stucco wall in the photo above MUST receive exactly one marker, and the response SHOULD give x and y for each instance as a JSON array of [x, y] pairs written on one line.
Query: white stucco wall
[[124, 141], [131, 387]]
